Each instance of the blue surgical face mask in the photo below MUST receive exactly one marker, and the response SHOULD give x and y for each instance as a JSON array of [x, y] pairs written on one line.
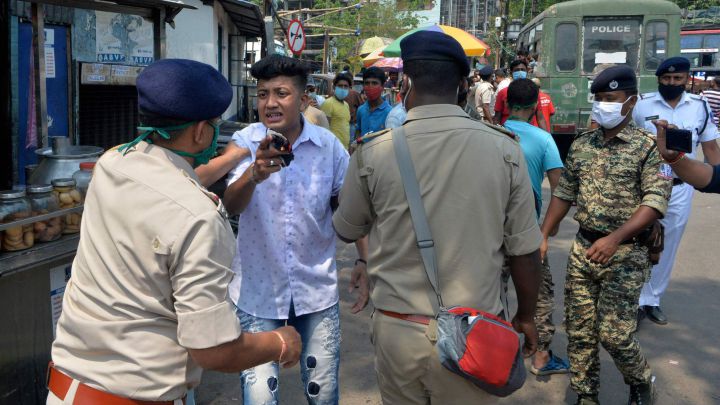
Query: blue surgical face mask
[[519, 75], [341, 93]]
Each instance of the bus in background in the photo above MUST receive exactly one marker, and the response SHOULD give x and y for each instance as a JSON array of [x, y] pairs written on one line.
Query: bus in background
[[701, 45], [575, 39]]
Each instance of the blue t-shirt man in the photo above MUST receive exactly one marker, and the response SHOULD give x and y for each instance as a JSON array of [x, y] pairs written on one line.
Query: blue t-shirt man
[[372, 121], [541, 154]]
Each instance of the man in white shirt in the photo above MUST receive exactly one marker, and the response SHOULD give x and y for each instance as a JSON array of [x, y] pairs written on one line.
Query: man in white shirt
[[285, 267], [684, 111]]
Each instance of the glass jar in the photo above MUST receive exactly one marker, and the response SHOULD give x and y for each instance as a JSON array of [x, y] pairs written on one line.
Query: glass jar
[[83, 176], [43, 201], [68, 196], [14, 206]]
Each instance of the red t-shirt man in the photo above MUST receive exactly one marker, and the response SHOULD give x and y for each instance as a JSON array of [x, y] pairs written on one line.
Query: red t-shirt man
[[545, 106]]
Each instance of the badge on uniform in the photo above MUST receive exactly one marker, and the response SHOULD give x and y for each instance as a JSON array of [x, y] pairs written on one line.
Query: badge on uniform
[[665, 172], [652, 117]]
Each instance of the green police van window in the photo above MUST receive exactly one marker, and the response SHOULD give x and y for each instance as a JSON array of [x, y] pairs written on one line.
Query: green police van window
[[655, 44], [566, 41], [610, 40]]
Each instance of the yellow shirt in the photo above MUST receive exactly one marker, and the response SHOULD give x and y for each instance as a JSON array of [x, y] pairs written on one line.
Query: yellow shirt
[[338, 112]]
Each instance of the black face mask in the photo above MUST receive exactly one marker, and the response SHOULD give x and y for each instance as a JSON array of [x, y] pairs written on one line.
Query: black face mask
[[669, 92]]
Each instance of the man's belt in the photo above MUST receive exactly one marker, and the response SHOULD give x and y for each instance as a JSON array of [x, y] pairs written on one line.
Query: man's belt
[[593, 236], [59, 384], [677, 182], [421, 319]]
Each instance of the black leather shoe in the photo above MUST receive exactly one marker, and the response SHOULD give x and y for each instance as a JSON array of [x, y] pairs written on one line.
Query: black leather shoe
[[642, 394], [656, 315], [587, 400], [641, 314]]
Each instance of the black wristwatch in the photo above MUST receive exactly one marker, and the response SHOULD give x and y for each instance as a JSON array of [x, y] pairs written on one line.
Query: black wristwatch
[[363, 261]]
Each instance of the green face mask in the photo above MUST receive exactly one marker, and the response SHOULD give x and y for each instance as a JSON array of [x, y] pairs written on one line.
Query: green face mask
[[200, 158]]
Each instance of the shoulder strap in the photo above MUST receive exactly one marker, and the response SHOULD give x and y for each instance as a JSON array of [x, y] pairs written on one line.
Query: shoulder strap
[[707, 117], [417, 210]]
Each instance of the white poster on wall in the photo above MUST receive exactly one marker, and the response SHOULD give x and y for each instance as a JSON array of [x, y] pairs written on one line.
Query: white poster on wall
[[59, 277], [123, 38], [49, 53]]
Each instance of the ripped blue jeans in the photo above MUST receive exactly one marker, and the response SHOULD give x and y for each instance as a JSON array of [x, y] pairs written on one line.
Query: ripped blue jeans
[[319, 361]]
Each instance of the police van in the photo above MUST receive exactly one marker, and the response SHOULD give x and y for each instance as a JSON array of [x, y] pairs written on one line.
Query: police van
[[576, 39]]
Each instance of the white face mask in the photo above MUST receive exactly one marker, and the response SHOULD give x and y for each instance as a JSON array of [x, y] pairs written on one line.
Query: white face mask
[[608, 115]]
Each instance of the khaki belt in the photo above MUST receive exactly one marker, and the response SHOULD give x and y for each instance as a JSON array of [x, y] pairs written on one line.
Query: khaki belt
[[422, 319], [59, 384]]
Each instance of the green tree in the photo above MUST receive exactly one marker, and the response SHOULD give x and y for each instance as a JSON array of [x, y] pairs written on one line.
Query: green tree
[[377, 18]]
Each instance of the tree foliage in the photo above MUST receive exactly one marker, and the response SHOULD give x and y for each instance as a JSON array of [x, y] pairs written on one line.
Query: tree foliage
[[377, 18]]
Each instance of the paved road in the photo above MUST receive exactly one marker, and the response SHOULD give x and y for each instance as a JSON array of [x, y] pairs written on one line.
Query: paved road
[[684, 355]]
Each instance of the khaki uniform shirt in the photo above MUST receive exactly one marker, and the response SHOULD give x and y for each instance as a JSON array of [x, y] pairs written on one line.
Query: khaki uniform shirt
[[149, 280], [485, 94], [316, 117], [609, 180], [476, 190]]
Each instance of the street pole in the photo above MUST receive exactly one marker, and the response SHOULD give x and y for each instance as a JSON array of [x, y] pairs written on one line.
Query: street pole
[[326, 51]]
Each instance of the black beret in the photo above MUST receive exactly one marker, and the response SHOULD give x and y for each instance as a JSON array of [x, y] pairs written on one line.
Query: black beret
[[620, 77], [183, 89], [676, 64], [486, 71], [433, 45]]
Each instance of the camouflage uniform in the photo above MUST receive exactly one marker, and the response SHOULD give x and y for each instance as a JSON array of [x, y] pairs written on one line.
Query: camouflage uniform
[[545, 303], [609, 182]]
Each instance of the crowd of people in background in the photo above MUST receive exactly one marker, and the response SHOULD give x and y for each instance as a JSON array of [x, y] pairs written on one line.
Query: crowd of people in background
[[161, 288]]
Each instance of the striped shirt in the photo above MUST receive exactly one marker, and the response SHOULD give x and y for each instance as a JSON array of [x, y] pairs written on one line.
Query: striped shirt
[[713, 98]]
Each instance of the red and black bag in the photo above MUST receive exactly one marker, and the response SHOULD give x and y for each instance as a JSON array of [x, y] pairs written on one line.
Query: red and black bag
[[474, 344]]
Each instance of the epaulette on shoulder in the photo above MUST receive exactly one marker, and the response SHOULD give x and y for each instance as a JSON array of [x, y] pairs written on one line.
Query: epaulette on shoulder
[[588, 132], [502, 130], [645, 96], [695, 96], [369, 137]]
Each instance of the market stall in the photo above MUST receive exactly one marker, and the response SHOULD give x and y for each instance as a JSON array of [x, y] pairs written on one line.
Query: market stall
[[40, 222]]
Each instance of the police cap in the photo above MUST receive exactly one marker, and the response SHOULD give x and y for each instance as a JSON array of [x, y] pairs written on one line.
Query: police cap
[[434, 45], [486, 71], [620, 77], [676, 64], [183, 89]]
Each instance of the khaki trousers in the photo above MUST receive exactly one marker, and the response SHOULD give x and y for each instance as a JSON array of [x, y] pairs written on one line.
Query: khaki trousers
[[409, 370]]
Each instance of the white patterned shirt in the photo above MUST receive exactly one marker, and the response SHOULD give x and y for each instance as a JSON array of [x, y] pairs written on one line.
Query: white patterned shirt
[[286, 242]]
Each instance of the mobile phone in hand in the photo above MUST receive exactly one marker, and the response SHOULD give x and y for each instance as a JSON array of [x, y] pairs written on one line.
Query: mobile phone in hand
[[678, 140], [281, 143]]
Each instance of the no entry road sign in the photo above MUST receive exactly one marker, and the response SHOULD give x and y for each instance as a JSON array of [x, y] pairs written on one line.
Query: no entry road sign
[[296, 37]]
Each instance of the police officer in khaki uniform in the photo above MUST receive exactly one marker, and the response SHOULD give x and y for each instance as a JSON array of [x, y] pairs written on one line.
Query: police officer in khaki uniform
[[476, 190], [147, 304]]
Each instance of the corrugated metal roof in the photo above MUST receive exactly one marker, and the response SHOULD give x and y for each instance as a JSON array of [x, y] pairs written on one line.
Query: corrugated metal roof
[[246, 16]]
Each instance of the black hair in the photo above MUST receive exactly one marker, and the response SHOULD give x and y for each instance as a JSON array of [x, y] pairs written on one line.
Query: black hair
[[486, 77], [517, 62], [434, 76], [374, 73], [500, 73], [346, 68], [276, 65], [716, 79], [522, 52], [522, 92], [343, 76]]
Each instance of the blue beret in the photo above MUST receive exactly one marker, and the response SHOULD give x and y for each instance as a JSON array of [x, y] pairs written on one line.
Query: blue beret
[[434, 45], [676, 64], [620, 77], [183, 89], [486, 71]]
